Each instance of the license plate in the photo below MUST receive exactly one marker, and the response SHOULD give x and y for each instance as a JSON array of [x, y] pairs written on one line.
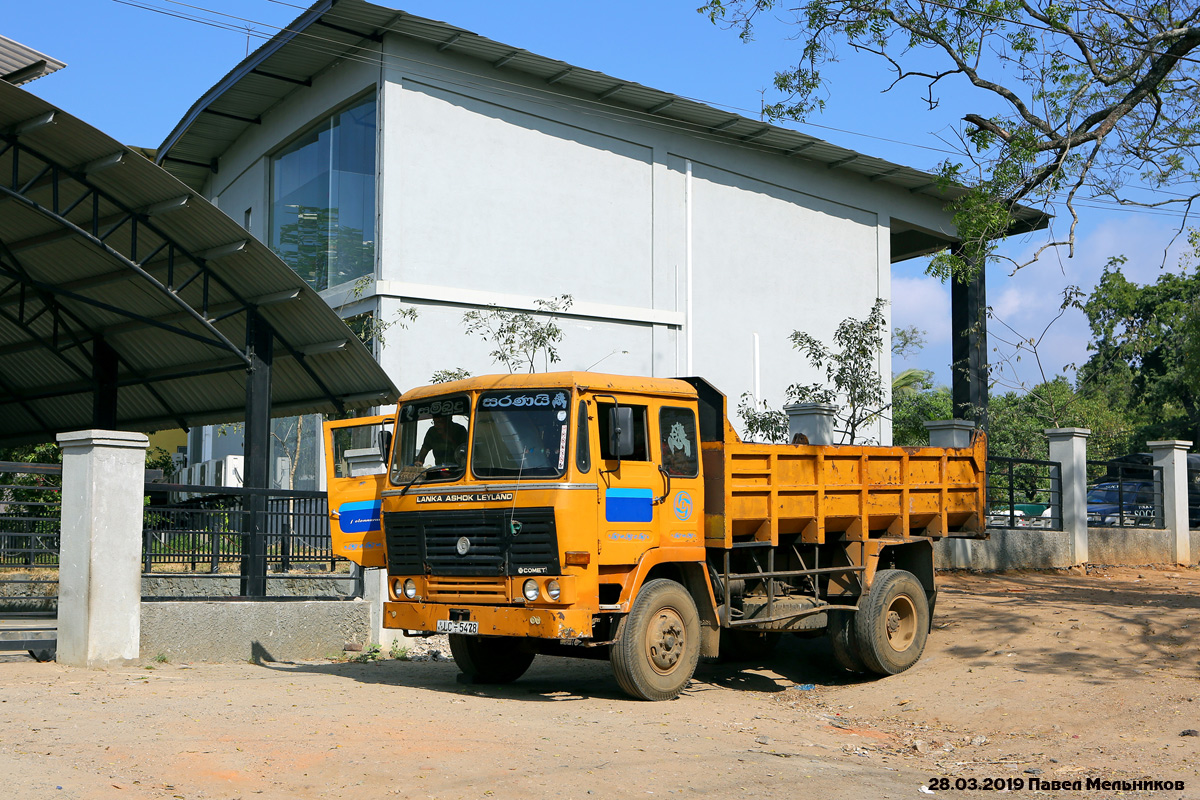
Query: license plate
[[457, 626]]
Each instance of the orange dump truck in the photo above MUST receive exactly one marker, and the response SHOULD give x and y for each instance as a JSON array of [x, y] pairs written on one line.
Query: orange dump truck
[[608, 516]]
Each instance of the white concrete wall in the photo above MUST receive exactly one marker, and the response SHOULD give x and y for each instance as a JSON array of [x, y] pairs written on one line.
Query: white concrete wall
[[495, 187]]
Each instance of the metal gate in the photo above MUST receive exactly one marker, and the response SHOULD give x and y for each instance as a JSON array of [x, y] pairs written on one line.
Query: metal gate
[[30, 512]]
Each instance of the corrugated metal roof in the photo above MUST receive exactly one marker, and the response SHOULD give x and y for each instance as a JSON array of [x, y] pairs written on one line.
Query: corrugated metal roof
[[20, 64], [68, 278], [334, 29]]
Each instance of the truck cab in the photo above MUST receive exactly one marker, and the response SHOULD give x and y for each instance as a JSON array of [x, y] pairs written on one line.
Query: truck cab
[[526, 511]]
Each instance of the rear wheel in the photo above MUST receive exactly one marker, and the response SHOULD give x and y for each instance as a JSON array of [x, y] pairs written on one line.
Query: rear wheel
[[490, 659], [660, 642], [845, 641], [892, 622]]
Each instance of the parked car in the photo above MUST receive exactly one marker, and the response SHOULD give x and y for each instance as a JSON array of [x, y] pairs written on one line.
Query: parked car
[[1129, 502], [1127, 467]]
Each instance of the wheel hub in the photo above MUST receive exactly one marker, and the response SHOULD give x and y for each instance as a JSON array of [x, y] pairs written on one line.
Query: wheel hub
[[900, 623], [665, 641]]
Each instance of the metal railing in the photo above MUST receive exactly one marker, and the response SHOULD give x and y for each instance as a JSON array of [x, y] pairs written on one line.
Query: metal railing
[[1024, 493], [1125, 495], [30, 512], [208, 529]]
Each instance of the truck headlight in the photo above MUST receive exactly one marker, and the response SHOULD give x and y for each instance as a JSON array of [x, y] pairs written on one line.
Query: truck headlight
[[410, 589], [553, 590], [530, 590]]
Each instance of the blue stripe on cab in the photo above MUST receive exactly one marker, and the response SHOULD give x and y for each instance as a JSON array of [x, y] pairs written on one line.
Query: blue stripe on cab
[[360, 517], [628, 505]]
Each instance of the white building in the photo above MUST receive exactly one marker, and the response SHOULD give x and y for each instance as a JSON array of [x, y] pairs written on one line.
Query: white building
[[453, 172]]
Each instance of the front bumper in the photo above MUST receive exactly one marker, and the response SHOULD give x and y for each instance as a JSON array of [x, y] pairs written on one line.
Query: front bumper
[[563, 624]]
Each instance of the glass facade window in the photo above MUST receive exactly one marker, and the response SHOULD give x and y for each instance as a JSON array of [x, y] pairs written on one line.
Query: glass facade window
[[323, 199]]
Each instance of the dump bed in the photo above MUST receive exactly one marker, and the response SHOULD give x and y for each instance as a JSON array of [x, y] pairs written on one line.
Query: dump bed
[[761, 492]]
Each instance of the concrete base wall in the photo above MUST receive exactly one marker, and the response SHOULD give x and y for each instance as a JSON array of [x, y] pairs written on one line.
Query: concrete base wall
[[1131, 546], [1195, 546], [1012, 548], [263, 630]]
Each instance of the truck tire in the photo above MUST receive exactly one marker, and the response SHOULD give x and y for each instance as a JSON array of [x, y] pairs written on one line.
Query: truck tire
[[892, 622], [490, 659], [660, 642], [845, 641]]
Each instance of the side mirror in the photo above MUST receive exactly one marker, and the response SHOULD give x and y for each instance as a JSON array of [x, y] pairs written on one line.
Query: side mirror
[[385, 444], [620, 426]]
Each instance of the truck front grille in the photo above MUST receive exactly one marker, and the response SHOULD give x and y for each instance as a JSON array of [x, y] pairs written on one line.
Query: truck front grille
[[467, 590], [427, 542]]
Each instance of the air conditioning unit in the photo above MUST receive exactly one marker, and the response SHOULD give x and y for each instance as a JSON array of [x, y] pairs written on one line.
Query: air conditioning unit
[[232, 471], [283, 470]]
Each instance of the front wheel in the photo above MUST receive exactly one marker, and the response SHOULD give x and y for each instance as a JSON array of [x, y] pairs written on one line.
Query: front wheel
[[660, 643], [490, 659], [892, 622]]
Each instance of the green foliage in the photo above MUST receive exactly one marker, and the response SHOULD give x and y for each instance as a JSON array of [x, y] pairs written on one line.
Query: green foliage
[[398, 651], [1079, 98], [372, 652], [762, 424], [520, 339], [447, 375], [911, 410], [1146, 350], [907, 341], [371, 329], [910, 381], [850, 367]]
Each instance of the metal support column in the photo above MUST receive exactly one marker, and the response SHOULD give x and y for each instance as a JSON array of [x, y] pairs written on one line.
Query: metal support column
[[104, 373], [259, 348], [968, 313]]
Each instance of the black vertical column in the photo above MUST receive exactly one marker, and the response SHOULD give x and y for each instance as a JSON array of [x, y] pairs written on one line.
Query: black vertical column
[[257, 452], [104, 397], [968, 318]]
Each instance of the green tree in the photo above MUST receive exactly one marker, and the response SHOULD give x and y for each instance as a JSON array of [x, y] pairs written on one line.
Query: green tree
[[910, 410], [1069, 100], [521, 339], [1144, 343], [851, 371]]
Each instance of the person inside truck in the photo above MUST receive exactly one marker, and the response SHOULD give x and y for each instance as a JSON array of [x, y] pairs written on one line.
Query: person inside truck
[[443, 439]]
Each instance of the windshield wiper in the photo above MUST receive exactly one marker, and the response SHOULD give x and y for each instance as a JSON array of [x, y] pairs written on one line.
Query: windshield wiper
[[420, 474]]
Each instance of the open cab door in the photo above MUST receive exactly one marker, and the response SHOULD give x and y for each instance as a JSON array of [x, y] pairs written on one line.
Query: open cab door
[[356, 457]]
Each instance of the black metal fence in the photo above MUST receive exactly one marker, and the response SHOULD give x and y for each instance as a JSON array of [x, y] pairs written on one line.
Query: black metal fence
[[1024, 493], [1125, 495], [30, 511], [188, 527]]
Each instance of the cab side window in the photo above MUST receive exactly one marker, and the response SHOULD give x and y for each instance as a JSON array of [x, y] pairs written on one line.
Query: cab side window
[[604, 423], [680, 446]]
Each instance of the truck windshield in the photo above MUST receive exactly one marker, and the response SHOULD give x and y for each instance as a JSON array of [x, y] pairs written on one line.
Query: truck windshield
[[431, 440], [521, 434]]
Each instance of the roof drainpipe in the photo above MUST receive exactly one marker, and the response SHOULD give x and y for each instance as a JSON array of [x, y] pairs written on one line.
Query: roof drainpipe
[[687, 314]]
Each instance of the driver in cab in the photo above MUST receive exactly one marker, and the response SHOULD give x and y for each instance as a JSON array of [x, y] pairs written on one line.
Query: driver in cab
[[443, 440]]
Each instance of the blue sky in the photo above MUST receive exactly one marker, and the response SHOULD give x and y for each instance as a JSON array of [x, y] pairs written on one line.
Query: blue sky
[[134, 72]]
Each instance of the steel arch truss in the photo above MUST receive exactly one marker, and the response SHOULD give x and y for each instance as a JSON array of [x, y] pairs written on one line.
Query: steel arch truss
[[138, 250]]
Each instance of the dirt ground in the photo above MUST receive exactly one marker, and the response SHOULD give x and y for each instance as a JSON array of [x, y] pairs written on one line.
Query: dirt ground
[[1047, 676]]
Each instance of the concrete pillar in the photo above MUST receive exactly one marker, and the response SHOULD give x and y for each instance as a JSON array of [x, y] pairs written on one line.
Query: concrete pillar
[[99, 572], [814, 420], [1068, 446], [375, 592], [1172, 457], [947, 433]]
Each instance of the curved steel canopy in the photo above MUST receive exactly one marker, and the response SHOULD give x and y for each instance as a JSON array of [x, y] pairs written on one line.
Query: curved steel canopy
[[127, 298]]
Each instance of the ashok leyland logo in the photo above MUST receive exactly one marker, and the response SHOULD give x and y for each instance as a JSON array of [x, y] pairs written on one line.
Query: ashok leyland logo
[[683, 506], [463, 546]]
